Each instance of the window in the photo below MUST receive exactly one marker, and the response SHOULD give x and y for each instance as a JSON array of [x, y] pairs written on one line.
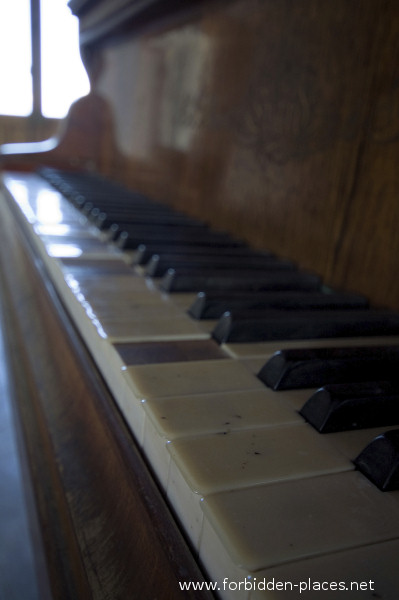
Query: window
[[15, 58], [61, 78]]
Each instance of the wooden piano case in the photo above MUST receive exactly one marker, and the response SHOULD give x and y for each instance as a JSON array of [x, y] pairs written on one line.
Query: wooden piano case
[[276, 120]]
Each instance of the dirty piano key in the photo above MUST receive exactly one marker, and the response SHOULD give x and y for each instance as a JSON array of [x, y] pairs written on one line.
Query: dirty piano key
[[208, 464], [197, 414], [303, 324], [232, 459], [173, 380], [313, 367], [174, 417], [212, 305], [341, 407], [127, 354]]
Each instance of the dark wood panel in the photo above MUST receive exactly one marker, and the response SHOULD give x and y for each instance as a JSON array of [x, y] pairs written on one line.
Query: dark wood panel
[[367, 250], [259, 117]]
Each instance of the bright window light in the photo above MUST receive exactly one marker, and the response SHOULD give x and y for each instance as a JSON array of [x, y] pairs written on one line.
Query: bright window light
[[64, 78], [15, 58]]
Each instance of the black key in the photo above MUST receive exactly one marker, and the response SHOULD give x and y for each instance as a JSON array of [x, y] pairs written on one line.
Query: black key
[[146, 251], [123, 209], [212, 305], [379, 461], [132, 214], [302, 325], [186, 280], [305, 368], [134, 236], [344, 407], [159, 264], [141, 230], [150, 220], [125, 206]]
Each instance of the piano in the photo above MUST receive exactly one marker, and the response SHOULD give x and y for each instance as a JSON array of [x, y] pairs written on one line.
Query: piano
[[202, 308]]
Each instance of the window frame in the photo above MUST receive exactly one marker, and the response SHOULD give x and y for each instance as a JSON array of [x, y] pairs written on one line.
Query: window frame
[[36, 59]]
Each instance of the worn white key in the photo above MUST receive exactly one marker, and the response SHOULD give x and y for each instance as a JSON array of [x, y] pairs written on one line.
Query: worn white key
[[231, 460], [359, 574], [191, 377], [268, 525], [235, 459], [181, 416], [176, 327]]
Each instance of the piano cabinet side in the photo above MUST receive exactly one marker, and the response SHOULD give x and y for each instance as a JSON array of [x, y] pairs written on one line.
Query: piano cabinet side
[[105, 527]]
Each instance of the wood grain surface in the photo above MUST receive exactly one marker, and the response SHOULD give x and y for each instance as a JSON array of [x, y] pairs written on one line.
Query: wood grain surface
[[274, 119]]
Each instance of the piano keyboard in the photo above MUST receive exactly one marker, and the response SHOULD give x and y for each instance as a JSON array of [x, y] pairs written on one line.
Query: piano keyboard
[[260, 493]]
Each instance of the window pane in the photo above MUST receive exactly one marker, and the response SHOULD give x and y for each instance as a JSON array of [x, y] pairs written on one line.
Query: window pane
[[63, 76], [15, 58]]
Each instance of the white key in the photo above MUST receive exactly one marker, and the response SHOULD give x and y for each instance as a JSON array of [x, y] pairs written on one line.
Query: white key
[[273, 524], [191, 377]]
